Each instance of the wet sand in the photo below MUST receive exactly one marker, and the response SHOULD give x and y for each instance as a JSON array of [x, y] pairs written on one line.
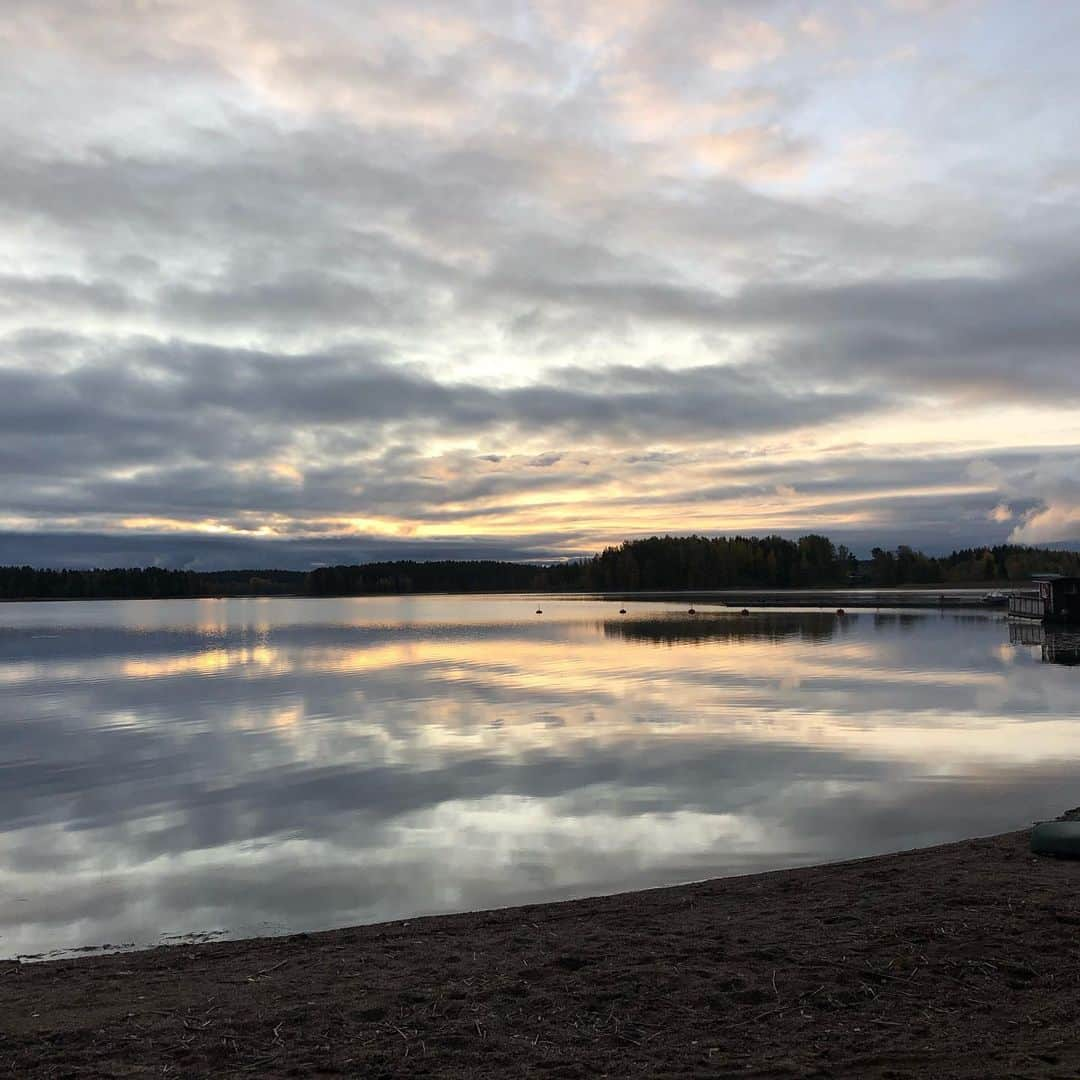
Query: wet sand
[[955, 961]]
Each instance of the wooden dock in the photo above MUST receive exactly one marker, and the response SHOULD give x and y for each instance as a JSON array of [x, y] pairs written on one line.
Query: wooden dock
[[1057, 600]]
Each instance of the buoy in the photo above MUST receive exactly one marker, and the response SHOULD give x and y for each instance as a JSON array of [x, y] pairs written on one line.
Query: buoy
[[745, 611], [622, 611], [691, 612], [840, 611], [539, 611]]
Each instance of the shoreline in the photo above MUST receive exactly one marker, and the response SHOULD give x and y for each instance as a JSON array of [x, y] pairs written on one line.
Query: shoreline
[[957, 595], [959, 960]]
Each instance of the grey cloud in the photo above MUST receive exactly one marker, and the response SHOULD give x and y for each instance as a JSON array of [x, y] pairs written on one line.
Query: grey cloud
[[194, 551], [379, 487], [190, 414], [1014, 337], [25, 295], [971, 336], [474, 188]]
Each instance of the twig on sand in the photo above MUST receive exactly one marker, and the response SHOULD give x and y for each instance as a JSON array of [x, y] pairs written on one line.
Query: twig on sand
[[266, 971], [252, 1066]]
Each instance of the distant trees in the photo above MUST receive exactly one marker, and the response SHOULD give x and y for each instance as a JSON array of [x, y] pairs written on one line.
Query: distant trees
[[652, 563], [700, 562], [1007, 562], [903, 567], [28, 583], [408, 576]]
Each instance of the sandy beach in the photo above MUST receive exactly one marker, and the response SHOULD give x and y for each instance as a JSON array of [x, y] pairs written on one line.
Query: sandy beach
[[955, 961]]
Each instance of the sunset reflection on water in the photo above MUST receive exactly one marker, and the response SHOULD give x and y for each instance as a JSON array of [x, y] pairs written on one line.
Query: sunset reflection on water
[[257, 766]]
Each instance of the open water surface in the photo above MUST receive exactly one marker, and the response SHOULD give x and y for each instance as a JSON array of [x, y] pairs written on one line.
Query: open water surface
[[249, 766]]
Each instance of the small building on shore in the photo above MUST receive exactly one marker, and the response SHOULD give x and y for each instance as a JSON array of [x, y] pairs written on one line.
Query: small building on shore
[[1058, 600]]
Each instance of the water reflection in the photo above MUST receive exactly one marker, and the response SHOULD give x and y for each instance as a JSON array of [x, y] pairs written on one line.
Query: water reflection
[[255, 766], [1055, 646]]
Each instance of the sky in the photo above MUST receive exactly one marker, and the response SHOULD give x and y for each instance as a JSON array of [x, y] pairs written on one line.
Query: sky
[[285, 283]]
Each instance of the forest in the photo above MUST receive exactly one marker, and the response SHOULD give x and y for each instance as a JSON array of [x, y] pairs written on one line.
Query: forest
[[149, 582], [653, 563]]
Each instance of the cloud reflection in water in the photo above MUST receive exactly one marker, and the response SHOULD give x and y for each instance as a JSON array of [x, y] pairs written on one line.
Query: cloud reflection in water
[[264, 765]]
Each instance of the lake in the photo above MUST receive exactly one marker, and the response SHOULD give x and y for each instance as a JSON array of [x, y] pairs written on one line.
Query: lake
[[172, 769]]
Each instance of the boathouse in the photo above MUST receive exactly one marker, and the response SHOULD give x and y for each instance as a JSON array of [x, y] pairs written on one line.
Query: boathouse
[[1058, 600]]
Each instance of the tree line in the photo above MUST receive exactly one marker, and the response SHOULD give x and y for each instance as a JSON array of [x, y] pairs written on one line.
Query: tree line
[[147, 582], [1000, 564], [654, 563]]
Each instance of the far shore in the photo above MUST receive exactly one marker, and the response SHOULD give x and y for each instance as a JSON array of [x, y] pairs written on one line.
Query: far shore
[[953, 961]]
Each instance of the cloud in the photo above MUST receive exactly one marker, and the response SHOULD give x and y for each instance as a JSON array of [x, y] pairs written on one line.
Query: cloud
[[752, 151], [1055, 517], [195, 551], [1043, 492], [311, 270], [1056, 523], [173, 430]]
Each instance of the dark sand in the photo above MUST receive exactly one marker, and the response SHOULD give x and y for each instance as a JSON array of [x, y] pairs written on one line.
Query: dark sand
[[957, 961]]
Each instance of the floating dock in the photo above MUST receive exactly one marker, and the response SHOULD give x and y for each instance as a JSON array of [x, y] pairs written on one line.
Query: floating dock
[[1057, 601]]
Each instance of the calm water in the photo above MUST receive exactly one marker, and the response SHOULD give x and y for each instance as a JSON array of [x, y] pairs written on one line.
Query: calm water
[[266, 765]]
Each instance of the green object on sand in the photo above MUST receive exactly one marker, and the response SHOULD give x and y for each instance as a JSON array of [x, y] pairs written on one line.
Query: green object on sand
[[1061, 838]]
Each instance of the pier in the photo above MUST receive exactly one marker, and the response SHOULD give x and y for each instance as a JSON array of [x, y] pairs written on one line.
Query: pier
[[1057, 600]]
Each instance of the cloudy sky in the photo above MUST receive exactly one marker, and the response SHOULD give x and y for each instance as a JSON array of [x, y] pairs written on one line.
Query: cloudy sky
[[288, 281]]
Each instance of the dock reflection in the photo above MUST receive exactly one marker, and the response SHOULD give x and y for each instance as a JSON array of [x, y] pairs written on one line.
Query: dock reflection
[[1057, 646]]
